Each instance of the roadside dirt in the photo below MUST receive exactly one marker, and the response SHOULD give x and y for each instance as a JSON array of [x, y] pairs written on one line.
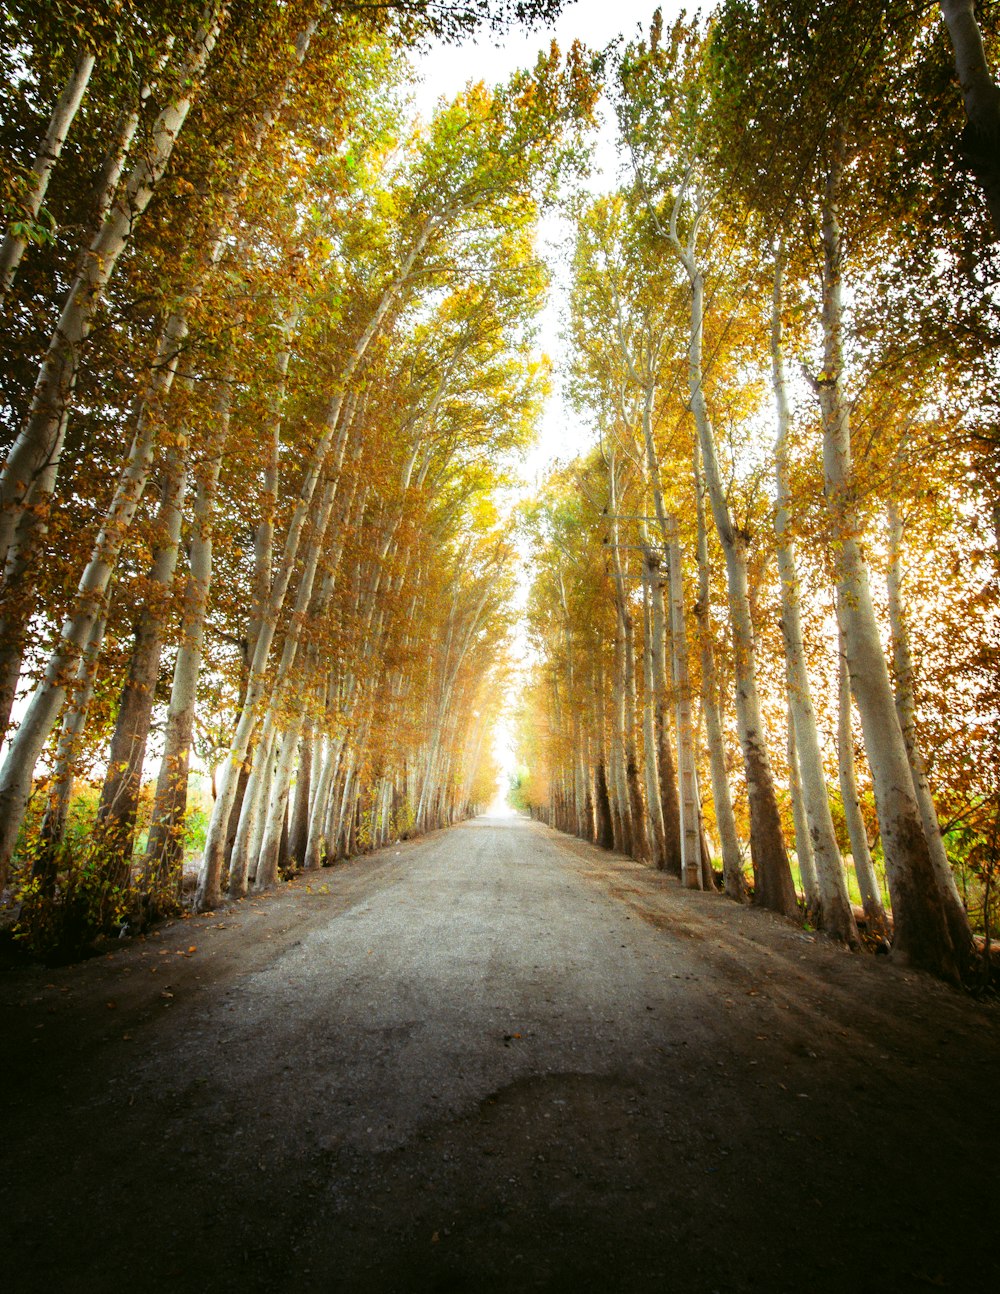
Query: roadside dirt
[[495, 1059]]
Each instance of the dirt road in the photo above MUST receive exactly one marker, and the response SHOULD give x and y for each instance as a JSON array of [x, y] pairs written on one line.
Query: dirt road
[[495, 1059]]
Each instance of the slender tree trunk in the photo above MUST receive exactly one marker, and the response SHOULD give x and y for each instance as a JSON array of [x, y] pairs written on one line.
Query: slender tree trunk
[[828, 900], [40, 439], [114, 829], [30, 203], [64, 769], [691, 870], [637, 833], [319, 808], [17, 596], [162, 867], [669, 803], [922, 936], [864, 868], [773, 886], [902, 659], [734, 881], [298, 834], [803, 844], [653, 801], [277, 809], [980, 140], [243, 859]]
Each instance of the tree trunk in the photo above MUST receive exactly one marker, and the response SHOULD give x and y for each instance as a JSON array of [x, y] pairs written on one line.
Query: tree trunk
[[902, 659], [298, 834], [669, 802], [833, 912], [18, 594], [243, 859], [691, 870], [277, 809], [653, 801], [53, 828], [162, 866], [40, 439], [864, 868], [803, 844], [30, 204], [114, 829], [980, 140], [773, 886], [734, 881], [922, 936]]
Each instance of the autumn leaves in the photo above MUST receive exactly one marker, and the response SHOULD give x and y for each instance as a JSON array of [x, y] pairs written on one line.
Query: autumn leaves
[[293, 363]]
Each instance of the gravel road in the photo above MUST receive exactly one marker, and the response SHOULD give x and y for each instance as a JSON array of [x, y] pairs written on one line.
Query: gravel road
[[495, 1059]]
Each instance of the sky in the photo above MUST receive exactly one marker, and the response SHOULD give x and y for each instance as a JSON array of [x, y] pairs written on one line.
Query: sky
[[445, 71]]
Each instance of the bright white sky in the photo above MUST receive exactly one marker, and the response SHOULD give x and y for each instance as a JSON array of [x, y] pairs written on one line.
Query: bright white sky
[[446, 70]]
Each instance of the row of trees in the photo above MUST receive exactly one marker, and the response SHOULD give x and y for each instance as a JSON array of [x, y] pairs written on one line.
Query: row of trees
[[268, 355], [783, 338]]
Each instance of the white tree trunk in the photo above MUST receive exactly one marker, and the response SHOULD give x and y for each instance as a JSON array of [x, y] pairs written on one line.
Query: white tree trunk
[[277, 808], [654, 804], [164, 848], [687, 768], [40, 439], [734, 881], [803, 845], [30, 204], [829, 900], [921, 930], [864, 868], [772, 874], [89, 605], [902, 659], [980, 143]]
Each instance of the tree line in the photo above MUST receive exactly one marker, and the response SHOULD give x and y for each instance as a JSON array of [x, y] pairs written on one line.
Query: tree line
[[268, 355], [765, 607]]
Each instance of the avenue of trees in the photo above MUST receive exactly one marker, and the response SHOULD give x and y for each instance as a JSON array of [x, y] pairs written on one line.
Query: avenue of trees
[[765, 606], [269, 355], [268, 352]]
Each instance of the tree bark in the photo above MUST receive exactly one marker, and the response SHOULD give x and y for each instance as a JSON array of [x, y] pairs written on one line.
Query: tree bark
[[921, 930], [902, 659], [164, 849], [654, 806], [15, 243], [734, 881], [40, 440], [64, 769], [980, 140], [829, 897], [298, 834], [114, 829], [773, 886], [803, 845], [864, 868], [691, 867]]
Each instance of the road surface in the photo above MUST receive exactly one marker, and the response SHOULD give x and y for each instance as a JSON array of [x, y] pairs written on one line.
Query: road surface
[[495, 1059]]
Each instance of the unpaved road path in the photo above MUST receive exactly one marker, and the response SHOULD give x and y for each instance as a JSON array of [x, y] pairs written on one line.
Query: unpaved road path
[[495, 1059]]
